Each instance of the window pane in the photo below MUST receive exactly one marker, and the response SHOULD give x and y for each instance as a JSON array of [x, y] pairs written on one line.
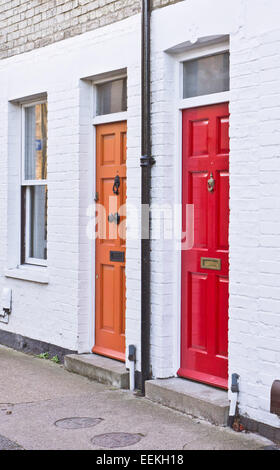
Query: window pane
[[112, 97], [35, 161], [206, 75], [38, 222]]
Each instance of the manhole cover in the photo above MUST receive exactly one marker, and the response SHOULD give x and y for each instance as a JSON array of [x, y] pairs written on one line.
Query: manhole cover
[[77, 423], [116, 439]]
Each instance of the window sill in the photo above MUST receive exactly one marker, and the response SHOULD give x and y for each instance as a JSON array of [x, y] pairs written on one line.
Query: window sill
[[36, 274]]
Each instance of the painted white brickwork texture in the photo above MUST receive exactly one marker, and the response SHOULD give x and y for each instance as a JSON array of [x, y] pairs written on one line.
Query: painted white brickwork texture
[[62, 311], [254, 327], [254, 308]]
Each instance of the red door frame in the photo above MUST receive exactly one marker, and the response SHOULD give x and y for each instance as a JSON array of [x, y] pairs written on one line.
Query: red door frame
[[203, 355]]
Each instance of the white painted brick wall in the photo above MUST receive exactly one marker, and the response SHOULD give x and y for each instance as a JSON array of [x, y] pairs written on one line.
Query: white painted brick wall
[[254, 228], [60, 312], [163, 276], [254, 324]]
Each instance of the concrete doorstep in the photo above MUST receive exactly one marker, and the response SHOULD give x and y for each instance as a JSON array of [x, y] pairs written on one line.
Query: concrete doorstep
[[195, 399], [99, 368]]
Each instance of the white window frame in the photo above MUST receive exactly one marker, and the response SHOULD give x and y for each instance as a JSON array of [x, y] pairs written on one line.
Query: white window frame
[[181, 104], [201, 100], [111, 117], [27, 184]]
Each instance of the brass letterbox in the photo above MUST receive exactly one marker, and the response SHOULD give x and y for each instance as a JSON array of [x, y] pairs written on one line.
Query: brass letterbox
[[210, 263]]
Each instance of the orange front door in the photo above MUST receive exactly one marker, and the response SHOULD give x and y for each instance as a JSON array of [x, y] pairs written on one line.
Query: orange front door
[[110, 246]]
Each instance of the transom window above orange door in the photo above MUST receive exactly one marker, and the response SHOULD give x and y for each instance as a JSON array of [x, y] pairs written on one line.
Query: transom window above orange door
[[206, 75], [112, 97]]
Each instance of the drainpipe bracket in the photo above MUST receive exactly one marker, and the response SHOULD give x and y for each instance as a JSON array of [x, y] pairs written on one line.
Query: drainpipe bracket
[[234, 383], [146, 160]]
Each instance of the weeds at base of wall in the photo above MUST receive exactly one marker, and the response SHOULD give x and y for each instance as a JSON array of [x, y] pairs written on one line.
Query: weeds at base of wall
[[46, 355]]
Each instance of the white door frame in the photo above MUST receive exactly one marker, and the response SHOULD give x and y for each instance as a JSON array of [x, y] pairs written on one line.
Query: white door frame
[[180, 105], [97, 120]]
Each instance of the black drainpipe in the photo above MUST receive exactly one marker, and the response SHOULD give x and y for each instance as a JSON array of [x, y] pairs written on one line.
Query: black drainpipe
[[146, 161]]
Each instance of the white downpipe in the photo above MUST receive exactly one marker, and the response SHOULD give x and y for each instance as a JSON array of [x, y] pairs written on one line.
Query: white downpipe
[[233, 403], [233, 398], [131, 375], [132, 361]]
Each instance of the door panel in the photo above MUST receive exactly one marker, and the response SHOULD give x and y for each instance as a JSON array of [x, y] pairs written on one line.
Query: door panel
[[199, 138], [198, 296], [198, 197], [204, 325], [110, 285], [222, 316], [223, 211], [107, 301]]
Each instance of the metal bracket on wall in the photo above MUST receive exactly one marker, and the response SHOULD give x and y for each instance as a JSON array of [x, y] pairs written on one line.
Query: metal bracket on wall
[[145, 160], [4, 316]]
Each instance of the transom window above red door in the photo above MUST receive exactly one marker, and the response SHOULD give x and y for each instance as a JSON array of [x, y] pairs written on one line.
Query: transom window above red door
[[206, 75]]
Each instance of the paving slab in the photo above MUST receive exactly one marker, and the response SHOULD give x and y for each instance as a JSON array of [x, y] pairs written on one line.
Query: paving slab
[[36, 393], [47, 380]]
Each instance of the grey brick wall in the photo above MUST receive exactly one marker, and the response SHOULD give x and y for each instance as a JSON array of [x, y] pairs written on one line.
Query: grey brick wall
[[29, 24]]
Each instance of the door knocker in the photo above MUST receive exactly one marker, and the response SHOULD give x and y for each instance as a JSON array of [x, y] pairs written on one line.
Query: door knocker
[[211, 183], [117, 183]]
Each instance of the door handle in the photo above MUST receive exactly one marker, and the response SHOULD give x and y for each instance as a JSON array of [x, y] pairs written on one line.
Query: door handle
[[211, 183], [115, 218]]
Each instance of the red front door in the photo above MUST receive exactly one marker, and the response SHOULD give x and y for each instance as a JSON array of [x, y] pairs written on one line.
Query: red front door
[[204, 324]]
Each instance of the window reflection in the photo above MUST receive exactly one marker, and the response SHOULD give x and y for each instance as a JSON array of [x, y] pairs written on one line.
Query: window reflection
[[206, 75], [36, 142]]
